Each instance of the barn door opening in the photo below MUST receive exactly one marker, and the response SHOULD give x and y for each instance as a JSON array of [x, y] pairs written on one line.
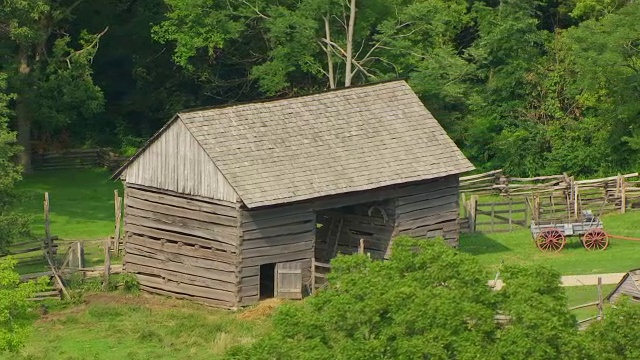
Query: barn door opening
[[267, 281], [289, 280]]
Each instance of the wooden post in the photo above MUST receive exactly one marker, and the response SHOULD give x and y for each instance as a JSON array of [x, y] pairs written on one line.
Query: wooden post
[[48, 243], [510, 216], [600, 299], [361, 247], [118, 217], [80, 253], [313, 274], [623, 195], [463, 199], [576, 207], [493, 205], [107, 265], [473, 208]]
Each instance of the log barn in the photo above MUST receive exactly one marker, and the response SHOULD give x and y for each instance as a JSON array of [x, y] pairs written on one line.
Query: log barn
[[232, 204], [629, 286]]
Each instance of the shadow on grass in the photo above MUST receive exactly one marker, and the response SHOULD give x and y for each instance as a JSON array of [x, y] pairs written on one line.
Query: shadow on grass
[[478, 243]]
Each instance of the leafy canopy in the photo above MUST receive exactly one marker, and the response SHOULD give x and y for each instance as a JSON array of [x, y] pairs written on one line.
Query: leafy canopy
[[428, 301]]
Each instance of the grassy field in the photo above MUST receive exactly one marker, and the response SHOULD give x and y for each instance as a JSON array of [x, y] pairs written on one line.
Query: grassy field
[[118, 326], [80, 202], [518, 247], [81, 208], [578, 295]]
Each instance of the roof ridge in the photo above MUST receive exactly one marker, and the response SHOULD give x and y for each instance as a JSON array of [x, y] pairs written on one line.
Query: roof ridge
[[274, 99]]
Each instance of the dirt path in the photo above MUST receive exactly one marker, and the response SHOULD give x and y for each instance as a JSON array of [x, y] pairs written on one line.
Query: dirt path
[[578, 280]]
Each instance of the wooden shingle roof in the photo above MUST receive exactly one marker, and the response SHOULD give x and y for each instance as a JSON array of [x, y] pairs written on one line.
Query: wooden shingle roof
[[330, 143], [340, 141]]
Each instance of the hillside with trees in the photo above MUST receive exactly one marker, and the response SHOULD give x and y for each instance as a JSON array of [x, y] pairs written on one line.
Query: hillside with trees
[[534, 87]]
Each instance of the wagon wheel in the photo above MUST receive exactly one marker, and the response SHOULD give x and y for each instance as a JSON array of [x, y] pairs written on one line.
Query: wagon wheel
[[551, 240], [595, 239]]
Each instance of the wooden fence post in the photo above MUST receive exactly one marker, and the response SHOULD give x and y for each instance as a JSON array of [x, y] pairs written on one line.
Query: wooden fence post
[[463, 199], [510, 215], [361, 247], [623, 195], [493, 214], [600, 299], [473, 207], [313, 274], [118, 217], [107, 265], [576, 205], [48, 242]]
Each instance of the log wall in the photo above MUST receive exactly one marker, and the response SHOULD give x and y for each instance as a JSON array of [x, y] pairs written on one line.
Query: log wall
[[183, 246], [431, 211], [274, 235]]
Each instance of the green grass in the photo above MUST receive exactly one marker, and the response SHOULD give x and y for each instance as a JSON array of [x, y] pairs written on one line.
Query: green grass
[[81, 208], [578, 295], [518, 247], [117, 326], [80, 201]]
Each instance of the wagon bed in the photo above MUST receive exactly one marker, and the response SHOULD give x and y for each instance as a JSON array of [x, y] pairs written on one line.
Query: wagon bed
[[552, 235]]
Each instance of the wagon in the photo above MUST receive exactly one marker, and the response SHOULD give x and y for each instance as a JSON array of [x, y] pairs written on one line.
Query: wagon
[[552, 236]]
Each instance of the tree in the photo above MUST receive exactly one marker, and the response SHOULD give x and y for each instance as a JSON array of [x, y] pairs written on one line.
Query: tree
[[615, 338], [428, 301], [15, 315], [51, 78], [313, 43], [11, 225]]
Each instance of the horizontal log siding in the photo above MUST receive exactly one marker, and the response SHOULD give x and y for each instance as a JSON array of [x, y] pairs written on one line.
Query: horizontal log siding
[[431, 211], [177, 162], [183, 246], [275, 235]]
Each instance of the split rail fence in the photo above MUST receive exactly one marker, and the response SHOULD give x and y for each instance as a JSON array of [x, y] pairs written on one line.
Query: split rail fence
[[494, 202], [77, 158]]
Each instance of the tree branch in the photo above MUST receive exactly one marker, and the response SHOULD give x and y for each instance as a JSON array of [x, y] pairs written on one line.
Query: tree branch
[[94, 44], [255, 8]]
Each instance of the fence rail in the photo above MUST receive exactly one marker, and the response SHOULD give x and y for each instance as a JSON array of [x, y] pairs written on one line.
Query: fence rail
[[77, 158], [541, 198]]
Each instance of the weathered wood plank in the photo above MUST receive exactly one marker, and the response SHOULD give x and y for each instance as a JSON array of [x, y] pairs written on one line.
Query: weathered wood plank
[[251, 281], [429, 195], [175, 237], [188, 289], [428, 220], [428, 210], [180, 200], [277, 240], [248, 271], [289, 229], [181, 212], [250, 300], [186, 223], [263, 223], [284, 257], [134, 258], [187, 260], [275, 250], [185, 249], [450, 226], [198, 299], [161, 225], [182, 278]]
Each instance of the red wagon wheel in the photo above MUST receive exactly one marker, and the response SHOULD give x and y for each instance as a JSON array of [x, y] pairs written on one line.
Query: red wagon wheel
[[551, 240], [595, 239]]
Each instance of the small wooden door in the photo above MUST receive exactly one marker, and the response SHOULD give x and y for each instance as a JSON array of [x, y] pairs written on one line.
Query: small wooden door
[[288, 280]]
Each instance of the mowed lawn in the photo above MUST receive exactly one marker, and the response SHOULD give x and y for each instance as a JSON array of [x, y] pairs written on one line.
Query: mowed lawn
[[517, 247], [80, 201]]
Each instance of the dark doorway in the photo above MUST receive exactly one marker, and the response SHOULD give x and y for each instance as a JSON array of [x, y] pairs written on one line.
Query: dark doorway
[[267, 281]]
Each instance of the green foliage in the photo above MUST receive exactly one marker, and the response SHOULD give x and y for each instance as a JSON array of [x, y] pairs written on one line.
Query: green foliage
[[11, 225], [15, 316], [427, 301], [615, 338]]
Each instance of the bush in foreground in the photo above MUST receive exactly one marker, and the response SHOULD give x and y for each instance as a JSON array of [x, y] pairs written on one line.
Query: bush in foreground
[[428, 301]]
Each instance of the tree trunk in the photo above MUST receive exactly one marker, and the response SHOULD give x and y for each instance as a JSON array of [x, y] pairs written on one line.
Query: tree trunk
[[349, 59], [22, 114], [329, 50]]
